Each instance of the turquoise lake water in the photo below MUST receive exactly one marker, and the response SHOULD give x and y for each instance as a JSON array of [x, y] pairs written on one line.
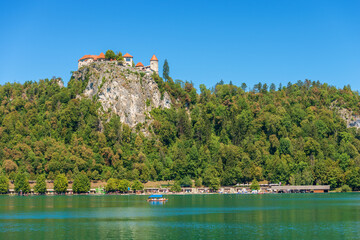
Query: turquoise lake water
[[272, 216]]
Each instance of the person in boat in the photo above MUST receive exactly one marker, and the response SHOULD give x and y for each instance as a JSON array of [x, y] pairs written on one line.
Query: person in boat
[[156, 197]]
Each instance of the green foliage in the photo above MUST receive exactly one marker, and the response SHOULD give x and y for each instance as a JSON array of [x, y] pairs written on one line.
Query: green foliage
[[119, 57], [223, 135], [40, 186], [255, 185], [81, 183], [344, 188], [198, 182], [60, 183], [166, 70], [176, 187], [124, 185], [112, 185], [186, 182], [4, 184], [110, 55], [22, 183], [137, 186]]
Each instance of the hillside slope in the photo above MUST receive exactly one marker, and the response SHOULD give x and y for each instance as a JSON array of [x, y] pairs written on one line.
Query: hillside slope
[[225, 135]]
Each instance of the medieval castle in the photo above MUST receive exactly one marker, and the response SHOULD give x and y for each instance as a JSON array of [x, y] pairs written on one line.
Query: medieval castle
[[153, 67]]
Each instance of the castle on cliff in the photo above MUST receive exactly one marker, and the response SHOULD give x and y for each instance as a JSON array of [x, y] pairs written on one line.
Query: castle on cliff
[[128, 59]]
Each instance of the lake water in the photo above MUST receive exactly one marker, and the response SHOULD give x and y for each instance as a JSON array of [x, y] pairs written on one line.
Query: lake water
[[272, 216]]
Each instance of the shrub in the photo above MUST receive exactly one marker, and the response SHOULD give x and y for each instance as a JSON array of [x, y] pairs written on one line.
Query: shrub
[[22, 183], [4, 184], [81, 183], [343, 188], [40, 186], [60, 183]]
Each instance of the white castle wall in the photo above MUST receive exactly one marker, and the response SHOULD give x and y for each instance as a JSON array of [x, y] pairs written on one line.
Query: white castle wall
[[154, 65]]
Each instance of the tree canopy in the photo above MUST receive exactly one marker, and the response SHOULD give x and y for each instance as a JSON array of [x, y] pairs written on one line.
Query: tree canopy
[[60, 183], [40, 186], [81, 183], [22, 183], [293, 134]]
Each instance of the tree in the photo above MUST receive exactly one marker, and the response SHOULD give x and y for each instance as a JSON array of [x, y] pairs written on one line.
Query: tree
[[137, 186], [60, 184], [198, 182], [110, 55], [4, 184], [243, 87], [186, 182], [214, 184], [40, 186], [119, 57], [112, 185], [272, 87], [166, 70], [124, 185], [81, 183], [22, 183], [176, 187], [255, 185]]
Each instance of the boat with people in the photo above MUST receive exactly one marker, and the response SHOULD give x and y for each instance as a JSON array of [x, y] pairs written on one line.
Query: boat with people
[[157, 198]]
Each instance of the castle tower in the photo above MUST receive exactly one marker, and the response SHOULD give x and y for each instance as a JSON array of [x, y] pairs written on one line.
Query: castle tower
[[128, 59], [154, 64]]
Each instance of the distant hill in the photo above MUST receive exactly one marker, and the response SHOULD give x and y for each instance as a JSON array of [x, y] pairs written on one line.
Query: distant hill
[[112, 121]]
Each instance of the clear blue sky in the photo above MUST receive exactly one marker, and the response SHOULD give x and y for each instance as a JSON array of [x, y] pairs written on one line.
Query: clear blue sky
[[204, 41]]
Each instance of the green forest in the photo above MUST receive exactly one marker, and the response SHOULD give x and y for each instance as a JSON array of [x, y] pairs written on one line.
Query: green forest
[[219, 136]]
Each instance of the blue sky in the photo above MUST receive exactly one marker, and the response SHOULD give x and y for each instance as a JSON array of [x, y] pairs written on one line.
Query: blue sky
[[204, 41]]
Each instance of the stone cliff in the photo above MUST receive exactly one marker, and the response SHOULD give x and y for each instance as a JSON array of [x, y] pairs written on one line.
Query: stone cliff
[[123, 90]]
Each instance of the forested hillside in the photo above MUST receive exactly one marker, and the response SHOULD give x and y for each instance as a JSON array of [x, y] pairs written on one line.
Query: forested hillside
[[225, 136]]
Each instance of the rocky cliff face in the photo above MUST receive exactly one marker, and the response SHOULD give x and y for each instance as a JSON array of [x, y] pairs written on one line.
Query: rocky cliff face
[[351, 119], [122, 90]]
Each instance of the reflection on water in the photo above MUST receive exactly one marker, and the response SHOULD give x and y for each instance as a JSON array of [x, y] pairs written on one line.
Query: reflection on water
[[157, 202], [278, 216]]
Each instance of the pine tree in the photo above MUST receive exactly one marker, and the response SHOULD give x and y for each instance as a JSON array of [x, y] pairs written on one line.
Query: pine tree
[[166, 70]]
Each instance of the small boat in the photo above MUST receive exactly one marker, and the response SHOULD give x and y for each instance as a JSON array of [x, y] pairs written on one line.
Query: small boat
[[156, 198]]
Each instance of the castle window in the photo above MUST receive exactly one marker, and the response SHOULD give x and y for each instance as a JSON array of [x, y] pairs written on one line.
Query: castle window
[[128, 59]]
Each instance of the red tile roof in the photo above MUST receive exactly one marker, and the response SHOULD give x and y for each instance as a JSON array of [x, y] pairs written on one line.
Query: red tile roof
[[154, 58], [102, 55], [139, 64], [95, 57], [127, 56]]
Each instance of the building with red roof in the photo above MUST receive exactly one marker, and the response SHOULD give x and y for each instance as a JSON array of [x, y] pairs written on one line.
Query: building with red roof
[[153, 67], [139, 64], [87, 59]]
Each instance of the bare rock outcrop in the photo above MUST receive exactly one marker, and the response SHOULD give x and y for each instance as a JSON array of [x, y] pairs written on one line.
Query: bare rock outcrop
[[129, 93], [351, 119]]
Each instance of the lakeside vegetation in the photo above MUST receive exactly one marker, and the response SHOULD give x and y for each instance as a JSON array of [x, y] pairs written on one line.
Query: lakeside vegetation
[[220, 136]]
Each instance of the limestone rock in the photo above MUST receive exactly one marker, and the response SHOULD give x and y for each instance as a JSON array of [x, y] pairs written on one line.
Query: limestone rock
[[122, 90]]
